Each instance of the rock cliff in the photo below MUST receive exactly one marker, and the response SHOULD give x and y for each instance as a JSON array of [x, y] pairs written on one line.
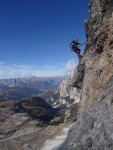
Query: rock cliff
[[65, 95], [94, 78], [67, 99]]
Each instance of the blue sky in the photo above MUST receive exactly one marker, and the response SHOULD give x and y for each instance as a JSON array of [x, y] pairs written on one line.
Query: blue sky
[[35, 36]]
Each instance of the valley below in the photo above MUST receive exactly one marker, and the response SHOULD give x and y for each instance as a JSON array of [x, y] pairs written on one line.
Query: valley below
[[20, 131], [24, 126], [38, 122]]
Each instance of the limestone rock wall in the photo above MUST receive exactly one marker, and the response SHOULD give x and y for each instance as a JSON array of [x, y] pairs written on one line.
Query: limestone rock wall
[[67, 99], [94, 77], [66, 94]]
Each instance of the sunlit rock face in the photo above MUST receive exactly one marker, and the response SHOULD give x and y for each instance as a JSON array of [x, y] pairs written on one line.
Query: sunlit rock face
[[67, 99], [66, 94], [94, 78]]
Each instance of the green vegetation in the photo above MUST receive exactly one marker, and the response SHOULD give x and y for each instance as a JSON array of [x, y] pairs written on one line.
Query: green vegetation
[[73, 112], [60, 119]]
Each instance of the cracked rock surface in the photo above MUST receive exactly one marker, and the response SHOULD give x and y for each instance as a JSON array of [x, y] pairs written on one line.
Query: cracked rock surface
[[94, 77]]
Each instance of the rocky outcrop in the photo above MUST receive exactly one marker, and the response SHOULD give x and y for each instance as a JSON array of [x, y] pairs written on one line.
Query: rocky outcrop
[[66, 98], [94, 78], [65, 95]]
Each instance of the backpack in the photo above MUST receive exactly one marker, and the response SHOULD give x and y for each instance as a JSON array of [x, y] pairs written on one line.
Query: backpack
[[73, 44]]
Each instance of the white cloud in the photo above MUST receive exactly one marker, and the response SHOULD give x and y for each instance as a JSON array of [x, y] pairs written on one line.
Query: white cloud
[[15, 70], [70, 66]]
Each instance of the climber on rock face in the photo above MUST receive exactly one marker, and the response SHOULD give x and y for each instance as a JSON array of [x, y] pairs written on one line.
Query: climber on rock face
[[74, 46]]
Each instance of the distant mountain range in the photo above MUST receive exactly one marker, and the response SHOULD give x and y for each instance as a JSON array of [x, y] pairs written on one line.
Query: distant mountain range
[[24, 88]]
